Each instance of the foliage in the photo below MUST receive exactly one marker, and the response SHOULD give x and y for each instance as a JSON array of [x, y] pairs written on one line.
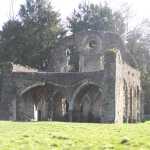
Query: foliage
[[54, 135], [138, 43], [30, 39], [11, 41], [96, 17]]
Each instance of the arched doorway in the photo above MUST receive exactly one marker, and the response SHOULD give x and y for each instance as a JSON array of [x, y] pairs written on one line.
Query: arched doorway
[[126, 113], [131, 106], [138, 104], [60, 107], [33, 104], [88, 104], [42, 102]]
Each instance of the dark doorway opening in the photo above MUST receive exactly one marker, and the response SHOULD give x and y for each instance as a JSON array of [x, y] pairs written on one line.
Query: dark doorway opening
[[88, 104], [39, 115]]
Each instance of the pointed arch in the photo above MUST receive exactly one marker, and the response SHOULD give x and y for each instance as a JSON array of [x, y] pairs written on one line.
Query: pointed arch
[[87, 103]]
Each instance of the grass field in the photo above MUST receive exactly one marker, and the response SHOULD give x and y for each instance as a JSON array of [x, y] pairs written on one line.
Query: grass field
[[73, 136]]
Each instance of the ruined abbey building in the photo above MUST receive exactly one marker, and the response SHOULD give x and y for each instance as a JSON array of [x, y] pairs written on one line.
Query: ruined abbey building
[[93, 81]]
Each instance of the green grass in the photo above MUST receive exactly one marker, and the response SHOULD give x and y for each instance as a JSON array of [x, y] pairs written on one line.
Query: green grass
[[73, 136]]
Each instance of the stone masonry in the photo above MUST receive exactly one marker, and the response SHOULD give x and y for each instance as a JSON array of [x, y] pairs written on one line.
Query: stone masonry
[[93, 80]]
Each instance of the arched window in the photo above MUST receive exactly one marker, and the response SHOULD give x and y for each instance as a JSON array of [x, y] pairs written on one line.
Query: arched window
[[88, 104], [125, 88], [60, 106], [68, 53], [101, 62], [92, 44], [131, 103]]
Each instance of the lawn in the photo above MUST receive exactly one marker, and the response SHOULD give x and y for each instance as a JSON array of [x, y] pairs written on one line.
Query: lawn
[[73, 136]]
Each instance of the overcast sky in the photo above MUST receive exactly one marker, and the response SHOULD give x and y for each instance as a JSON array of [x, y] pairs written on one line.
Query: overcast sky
[[139, 9]]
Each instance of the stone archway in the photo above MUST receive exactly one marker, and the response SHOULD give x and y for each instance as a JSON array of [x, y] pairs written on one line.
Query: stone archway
[[87, 103], [138, 104], [131, 106], [126, 102], [59, 107], [42, 102], [33, 103]]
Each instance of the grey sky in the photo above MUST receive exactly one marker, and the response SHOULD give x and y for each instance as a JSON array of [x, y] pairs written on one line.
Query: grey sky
[[139, 8]]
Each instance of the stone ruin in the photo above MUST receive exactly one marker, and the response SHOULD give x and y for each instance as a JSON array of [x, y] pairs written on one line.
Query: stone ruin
[[93, 80]]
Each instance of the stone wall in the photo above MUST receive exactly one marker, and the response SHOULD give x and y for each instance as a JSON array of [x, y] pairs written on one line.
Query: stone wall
[[103, 85], [109, 86], [17, 100], [14, 85], [128, 92], [90, 48]]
